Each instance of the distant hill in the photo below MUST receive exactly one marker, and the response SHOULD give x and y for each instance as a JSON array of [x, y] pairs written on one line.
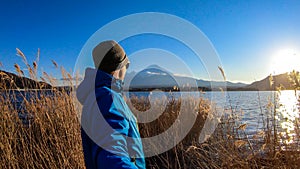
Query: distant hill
[[154, 77], [157, 77], [12, 81], [278, 80], [217, 84]]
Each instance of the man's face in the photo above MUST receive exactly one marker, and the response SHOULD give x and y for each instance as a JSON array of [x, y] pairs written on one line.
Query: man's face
[[122, 72]]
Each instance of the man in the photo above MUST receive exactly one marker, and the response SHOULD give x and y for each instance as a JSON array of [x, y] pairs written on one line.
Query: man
[[109, 131]]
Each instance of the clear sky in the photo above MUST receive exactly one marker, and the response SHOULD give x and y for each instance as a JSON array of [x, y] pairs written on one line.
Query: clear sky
[[252, 38]]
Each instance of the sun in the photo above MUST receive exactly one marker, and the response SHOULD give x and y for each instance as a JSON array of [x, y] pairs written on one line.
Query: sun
[[285, 60]]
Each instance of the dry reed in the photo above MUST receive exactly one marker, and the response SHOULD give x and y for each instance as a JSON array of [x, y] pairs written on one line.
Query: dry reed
[[48, 134]]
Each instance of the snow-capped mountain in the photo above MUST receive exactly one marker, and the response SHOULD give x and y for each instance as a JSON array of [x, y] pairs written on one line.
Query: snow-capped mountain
[[156, 77]]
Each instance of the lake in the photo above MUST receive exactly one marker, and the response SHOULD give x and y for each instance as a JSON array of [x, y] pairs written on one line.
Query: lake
[[16, 102], [251, 107]]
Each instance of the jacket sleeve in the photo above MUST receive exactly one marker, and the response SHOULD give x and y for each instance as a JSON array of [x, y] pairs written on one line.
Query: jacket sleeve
[[113, 152]]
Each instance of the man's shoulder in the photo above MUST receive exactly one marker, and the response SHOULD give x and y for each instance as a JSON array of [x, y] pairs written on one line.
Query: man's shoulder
[[103, 90], [107, 93], [109, 100]]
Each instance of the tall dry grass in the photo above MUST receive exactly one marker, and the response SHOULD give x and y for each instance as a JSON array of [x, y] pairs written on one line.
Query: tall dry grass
[[40, 130], [229, 147], [50, 138]]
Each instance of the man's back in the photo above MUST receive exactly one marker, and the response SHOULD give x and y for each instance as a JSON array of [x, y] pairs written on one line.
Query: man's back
[[109, 131]]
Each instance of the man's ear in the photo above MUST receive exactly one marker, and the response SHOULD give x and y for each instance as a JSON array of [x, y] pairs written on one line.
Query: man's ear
[[112, 73], [115, 74]]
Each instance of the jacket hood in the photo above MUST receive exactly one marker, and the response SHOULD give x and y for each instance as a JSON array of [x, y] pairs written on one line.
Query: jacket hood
[[95, 78]]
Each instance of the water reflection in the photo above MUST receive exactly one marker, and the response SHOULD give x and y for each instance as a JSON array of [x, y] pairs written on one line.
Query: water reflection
[[288, 114]]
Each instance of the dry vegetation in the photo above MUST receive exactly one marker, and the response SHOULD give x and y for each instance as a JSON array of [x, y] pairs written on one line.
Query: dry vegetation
[[48, 138], [48, 135], [228, 147], [39, 128]]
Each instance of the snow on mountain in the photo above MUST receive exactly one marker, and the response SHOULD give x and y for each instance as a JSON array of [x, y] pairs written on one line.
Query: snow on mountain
[[155, 76]]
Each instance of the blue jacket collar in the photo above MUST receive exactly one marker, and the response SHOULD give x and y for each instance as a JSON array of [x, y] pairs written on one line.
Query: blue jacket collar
[[94, 79], [107, 80]]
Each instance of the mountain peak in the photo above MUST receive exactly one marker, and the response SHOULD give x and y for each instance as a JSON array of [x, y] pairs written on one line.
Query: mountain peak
[[154, 66], [157, 69]]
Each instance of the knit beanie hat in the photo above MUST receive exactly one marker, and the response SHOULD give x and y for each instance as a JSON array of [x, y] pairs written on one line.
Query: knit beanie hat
[[109, 56]]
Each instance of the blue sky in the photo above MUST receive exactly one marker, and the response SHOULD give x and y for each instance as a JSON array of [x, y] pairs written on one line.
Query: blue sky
[[249, 36]]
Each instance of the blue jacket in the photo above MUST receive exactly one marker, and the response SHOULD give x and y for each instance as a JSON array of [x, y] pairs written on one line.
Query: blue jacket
[[109, 131]]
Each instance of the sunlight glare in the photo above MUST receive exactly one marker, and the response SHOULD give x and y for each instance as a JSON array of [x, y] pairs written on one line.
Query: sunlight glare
[[288, 112], [285, 60]]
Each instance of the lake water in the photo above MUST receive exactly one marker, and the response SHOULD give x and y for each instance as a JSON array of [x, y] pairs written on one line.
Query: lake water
[[251, 107], [254, 108], [17, 97]]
